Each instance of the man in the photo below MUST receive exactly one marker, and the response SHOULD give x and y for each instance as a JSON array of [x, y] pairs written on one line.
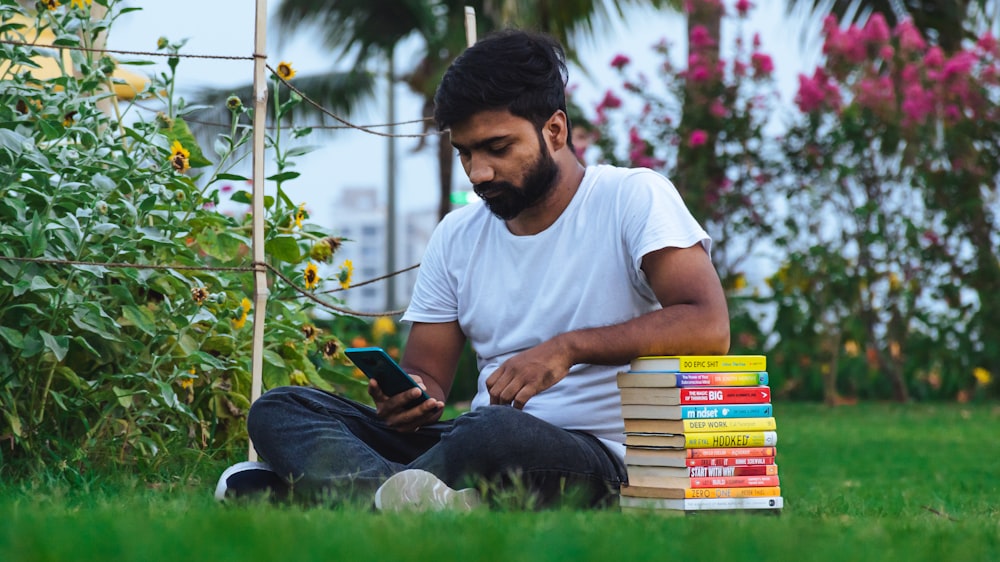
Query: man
[[558, 279]]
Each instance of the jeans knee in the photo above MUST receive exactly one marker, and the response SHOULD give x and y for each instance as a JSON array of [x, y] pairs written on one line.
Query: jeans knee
[[272, 403]]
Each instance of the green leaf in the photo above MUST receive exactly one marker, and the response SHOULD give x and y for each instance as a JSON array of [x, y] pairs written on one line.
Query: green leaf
[[32, 344], [242, 196], [124, 396], [12, 337], [233, 177], [222, 245], [179, 131], [36, 236], [284, 176], [221, 344], [58, 345], [39, 283], [13, 142], [284, 248], [300, 150], [140, 317], [14, 422]]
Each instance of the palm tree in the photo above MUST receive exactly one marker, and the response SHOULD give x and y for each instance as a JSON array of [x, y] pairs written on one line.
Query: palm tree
[[946, 22], [372, 29]]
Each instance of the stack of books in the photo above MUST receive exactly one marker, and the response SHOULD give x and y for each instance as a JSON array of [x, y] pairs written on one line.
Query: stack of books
[[700, 434]]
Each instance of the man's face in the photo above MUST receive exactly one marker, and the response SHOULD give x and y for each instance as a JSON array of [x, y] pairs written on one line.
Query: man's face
[[506, 200], [507, 161]]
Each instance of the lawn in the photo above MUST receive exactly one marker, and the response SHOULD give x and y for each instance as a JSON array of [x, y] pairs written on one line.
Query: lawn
[[865, 482]]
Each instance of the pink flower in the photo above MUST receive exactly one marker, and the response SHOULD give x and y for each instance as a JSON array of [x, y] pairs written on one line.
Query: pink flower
[[698, 73], [739, 69], [226, 188], [762, 64], [917, 103], [698, 137], [987, 43], [700, 37], [959, 65], [610, 101], [718, 109], [910, 39], [910, 73], [816, 92], [743, 6], [620, 61], [876, 30], [887, 52], [935, 57]]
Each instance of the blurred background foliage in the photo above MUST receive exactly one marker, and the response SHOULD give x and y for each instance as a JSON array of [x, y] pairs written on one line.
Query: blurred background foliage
[[858, 245]]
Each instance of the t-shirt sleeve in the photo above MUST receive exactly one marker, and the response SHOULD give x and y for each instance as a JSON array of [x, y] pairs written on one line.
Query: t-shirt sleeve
[[434, 293], [656, 217]]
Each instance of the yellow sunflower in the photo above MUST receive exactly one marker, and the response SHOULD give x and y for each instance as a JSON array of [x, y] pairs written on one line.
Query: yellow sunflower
[[180, 157], [51, 4], [346, 271], [311, 275], [285, 70], [81, 3], [300, 214], [245, 306]]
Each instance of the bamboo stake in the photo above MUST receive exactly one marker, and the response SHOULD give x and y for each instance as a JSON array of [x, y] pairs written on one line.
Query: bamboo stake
[[470, 26], [260, 272]]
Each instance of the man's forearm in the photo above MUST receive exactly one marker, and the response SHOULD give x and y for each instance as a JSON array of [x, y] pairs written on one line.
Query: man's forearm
[[680, 329]]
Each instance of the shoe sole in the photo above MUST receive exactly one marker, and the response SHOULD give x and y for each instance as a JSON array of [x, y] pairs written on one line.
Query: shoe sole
[[419, 490]]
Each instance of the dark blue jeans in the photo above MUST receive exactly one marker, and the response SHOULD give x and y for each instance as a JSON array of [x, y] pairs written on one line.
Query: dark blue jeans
[[327, 444]]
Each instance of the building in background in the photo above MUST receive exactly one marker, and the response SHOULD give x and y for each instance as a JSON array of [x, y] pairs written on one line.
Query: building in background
[[359, 215]]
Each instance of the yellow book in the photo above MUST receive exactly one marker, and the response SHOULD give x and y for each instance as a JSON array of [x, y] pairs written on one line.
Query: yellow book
[[700, 363], [703, 440], [700, 426], [685, 493]]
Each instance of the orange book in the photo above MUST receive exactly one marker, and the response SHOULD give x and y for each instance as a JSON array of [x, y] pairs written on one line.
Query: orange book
[[682, 493], [638, 479]]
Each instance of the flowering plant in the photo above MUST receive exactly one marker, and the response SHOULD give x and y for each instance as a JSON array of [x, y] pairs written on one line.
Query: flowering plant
[[895, 162], [125, 309]]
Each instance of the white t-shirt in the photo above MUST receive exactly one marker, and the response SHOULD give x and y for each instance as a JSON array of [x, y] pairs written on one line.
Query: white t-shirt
[[510, 293]]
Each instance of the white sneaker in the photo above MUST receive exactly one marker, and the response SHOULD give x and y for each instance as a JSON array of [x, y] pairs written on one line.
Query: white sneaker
[[419, 490], [250, 478]]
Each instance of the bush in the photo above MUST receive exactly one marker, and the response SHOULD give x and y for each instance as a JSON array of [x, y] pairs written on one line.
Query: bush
[[126, 297]]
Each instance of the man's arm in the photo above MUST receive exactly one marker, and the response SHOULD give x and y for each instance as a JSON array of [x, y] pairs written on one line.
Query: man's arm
[[431, 358], [694, 320]]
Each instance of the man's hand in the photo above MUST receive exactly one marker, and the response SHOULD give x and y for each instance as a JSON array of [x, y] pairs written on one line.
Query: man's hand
[[394, 411], [528, 373]]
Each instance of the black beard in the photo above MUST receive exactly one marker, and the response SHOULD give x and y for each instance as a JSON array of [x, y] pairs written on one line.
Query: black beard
[[508, 200]]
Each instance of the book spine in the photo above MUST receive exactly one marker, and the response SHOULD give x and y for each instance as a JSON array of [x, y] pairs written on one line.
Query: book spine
[[671, 379], [731, 439], [725, 395], [716, 452], [773, 502], [749, 492], [726, 411], [735, 424], [730, 461], [734, 481], [728, 471], [721, 379], [700, 363]]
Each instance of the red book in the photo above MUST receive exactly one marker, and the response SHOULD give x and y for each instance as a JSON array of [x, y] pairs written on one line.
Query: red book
[[731, 461], [637, 479], [725, 395]]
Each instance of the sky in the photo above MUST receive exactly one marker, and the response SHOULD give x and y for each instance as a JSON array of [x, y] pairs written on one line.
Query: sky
[[355, 159]]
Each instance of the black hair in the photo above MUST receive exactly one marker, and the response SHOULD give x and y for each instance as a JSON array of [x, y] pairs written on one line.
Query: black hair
[[520, 71]]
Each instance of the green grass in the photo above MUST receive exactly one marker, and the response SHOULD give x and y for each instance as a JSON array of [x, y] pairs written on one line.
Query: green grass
[[867, 482]]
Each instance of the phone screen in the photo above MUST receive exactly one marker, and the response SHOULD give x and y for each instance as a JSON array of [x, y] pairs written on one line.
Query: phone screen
[[376, 364]]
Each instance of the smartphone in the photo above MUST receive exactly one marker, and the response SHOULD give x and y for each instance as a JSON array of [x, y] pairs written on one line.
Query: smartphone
[[376, 364]]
